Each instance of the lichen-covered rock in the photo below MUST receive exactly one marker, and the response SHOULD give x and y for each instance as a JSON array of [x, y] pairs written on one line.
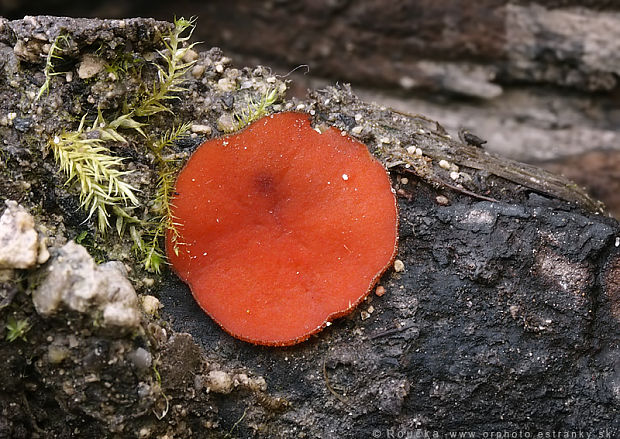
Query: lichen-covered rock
[[74, 282], [19, 241]]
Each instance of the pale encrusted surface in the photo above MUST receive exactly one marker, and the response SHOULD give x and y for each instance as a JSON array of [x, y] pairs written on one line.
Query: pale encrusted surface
[[74, 282], [19, 241]]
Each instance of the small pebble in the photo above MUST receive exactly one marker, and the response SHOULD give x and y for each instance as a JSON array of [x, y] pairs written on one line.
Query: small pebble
[[190, 55], [198, 70], [399, 266], [90, 66], [141, 358], [150, 304], [219, 381], [227, 84], [226, 123], [380, 291], [201, 129], [442, 200], [233, 74]]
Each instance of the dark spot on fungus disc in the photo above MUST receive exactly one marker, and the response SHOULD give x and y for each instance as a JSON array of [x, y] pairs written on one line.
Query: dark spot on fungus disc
[[283, 228], [264, 184]]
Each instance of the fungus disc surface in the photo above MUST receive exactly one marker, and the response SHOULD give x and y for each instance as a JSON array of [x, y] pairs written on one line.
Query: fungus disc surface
[[283, 228]]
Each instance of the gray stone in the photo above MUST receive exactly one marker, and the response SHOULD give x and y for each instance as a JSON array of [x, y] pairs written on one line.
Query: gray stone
[[19, 241], [76, 283]]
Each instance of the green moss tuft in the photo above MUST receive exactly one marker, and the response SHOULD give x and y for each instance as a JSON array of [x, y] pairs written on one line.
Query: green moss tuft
[[89, 164], [60, 43], [17, 329]]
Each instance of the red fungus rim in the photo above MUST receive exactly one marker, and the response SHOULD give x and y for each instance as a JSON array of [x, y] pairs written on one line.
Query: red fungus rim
[[304, 128]]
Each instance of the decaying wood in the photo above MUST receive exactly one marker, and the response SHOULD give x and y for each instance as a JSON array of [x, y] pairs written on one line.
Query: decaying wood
[[505, 318], [404, 131]]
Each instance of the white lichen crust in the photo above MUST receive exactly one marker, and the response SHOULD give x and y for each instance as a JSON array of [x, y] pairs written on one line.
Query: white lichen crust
[[19, 241], [75, 283]]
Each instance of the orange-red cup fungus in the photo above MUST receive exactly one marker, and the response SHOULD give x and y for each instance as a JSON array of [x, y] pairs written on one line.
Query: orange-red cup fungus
[[282, 228]]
